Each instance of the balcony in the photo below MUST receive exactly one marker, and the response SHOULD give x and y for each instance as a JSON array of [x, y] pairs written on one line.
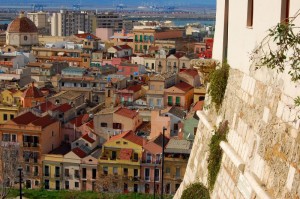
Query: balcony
[[77, 176], [170, 103], [30, 144]]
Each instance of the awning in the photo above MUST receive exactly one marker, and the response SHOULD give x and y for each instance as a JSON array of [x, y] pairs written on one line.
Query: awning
[[60, 53]]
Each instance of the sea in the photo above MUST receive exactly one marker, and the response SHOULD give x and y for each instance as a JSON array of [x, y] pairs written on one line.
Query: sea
[[177, 22]]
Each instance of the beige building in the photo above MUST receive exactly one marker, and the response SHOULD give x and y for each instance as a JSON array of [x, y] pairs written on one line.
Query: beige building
[[40, 19]]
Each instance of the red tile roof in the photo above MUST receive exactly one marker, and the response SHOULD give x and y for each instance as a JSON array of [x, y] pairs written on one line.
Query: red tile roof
[[184, 86], [46, 106], [80, 120], [90, 124], [126, 113], [191, 72], [121, 47], [198, 106], [80, 153], [22, 25], [32, 92], [135, 88], [25, 118], [86, 35], [44, 121], [125, 154], [88, 138], [130, 136], [63, 108]]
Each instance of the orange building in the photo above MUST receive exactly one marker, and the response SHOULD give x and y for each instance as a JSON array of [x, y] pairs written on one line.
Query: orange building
[[32, 96], [36, 136]]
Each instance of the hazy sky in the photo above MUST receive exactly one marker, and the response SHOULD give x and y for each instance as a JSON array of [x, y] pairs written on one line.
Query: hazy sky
[[115, 2]]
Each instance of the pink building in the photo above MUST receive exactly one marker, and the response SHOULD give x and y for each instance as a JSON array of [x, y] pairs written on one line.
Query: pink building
[[104, 33], [130, 70]]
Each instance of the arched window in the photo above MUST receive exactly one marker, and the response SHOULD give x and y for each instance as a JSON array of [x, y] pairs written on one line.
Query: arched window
[[25, 38]]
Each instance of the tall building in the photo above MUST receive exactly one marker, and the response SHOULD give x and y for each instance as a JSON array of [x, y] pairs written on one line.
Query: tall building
[[40, 19], [66, 23], [108, 20]]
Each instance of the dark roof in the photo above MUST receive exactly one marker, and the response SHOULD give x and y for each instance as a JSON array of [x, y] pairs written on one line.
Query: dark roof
[[44, 121], [177, 112], [121, 47], [190, 72], [61, 150], [88, 138], [184, 86], [63, 108], [158, 140], [25, 118], [80, 153], [135, 88], [85, 36]]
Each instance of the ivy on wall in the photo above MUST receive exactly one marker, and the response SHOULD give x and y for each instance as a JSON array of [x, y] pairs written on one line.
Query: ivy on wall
[[216, 153], [195, 191]]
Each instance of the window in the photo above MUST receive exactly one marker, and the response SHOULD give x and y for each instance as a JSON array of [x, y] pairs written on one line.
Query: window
[[168, 170], [177, 101], [6, 137], [67, 174], [46, 170], [46, 184], [147, 174], [83, 172], [115, 170], [35, 170], [57, 171], [94, 173], [125, 171], [105, 170], [135, 156], [103, 124], [152, 65], [156, 174], [36, 183], [135, 172], [158, 102], [183, 65], [76, 184], [170, 100], [250, 13], [25, 38], [4, 117], [76, 173], [125, 143], [285, 10], [52, 134], [117, 125], [108, 93], [67, 185], [13, 138], [12, 116], [177, 172]]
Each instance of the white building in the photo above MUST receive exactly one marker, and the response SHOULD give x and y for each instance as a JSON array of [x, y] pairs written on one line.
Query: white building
[[41, 21]]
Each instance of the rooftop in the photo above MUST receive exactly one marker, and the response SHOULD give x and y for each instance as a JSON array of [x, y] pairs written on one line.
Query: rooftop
[[184, 86], [80, 153], [130, 136], [127, 113], [63, 108], [177, 112], [162, 77], [191, 72], [179, 146], [25, 118], [88, 138]]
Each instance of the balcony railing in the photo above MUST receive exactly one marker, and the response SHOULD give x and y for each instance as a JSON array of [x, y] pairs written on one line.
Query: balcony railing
[[30, 144], [147, 178]]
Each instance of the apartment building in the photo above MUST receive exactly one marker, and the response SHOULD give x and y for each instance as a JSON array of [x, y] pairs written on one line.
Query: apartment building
[[107, 20]]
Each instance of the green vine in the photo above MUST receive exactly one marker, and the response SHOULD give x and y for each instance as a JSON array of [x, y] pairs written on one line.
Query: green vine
[[195, 191], [286, 53], [218, 82], [216, 153]]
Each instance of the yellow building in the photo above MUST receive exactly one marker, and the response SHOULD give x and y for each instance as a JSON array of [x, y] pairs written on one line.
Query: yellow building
[[199, 93], [11, 97], [121, 157], [7, 113]]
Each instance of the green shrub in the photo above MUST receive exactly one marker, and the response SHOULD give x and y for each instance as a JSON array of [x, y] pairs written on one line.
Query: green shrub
[[218, 82], [215, 154], [195, 191]]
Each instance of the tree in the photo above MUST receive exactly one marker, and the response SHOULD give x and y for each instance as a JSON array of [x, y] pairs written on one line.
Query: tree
[[10, 159], [195, 191], [110, 183]]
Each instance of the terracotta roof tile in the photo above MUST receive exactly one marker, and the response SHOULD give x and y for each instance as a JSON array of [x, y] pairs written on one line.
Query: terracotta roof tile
[[130, 136], [25, 118], [90, 124], [135, 88], [80, 153], [80, 120], [88, 138], [191, 72], [198, 106], [126, 113], [44, 121], [46, 106], [121, 47], [22, 25], [125, 154], [63, 108], [184, 86]]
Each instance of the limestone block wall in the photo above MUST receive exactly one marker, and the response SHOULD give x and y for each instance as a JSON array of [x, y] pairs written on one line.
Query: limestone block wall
[[262, 156]]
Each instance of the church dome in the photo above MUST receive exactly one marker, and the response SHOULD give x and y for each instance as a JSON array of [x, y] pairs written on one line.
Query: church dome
[[32, 92], [22, 25]]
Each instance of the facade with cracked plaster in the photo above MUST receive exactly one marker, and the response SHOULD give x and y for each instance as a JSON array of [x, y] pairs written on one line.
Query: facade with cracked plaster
[[262, 156]]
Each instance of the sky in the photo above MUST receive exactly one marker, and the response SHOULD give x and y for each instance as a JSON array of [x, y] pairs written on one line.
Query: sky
[[115, 2]]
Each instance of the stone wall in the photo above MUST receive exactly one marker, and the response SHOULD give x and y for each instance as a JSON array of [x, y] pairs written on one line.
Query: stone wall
[[262, 156]]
